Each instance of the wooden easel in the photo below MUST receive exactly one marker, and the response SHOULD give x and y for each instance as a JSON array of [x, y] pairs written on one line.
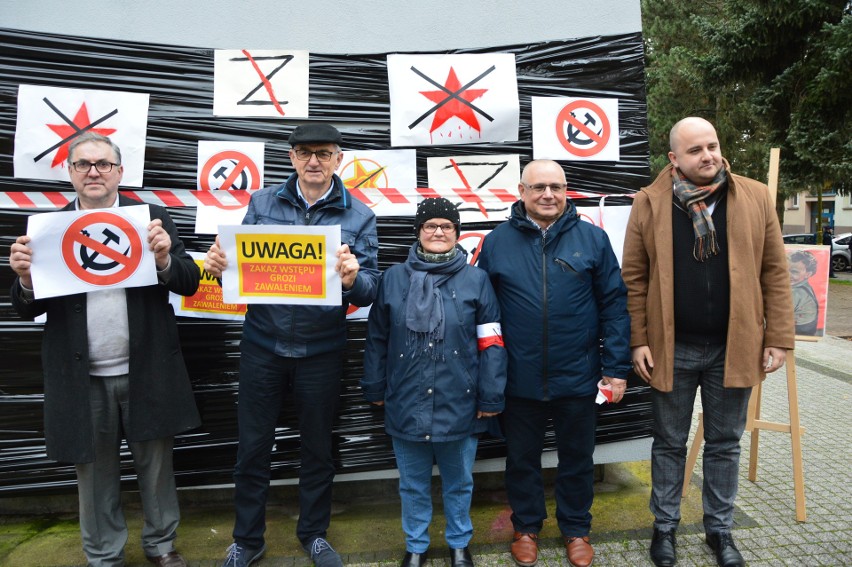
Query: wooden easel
[[753, 423]]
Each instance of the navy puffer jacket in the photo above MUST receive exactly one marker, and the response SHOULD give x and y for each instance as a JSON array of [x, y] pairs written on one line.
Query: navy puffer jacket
[[435, 398], [563, 305], [308, 330]]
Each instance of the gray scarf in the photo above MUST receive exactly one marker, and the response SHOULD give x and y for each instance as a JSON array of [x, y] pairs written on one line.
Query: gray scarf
[[424, 309]]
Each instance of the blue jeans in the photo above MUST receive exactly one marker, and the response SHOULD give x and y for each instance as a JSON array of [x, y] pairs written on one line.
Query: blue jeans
[[725, 411], [574, 422], [266, 380], [455, 463]]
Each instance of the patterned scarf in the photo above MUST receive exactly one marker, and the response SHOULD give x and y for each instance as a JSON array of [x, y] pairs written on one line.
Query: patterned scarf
[[424, 310], [692, 198]]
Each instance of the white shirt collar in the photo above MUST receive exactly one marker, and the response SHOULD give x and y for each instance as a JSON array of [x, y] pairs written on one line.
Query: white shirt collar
[[305, 201]]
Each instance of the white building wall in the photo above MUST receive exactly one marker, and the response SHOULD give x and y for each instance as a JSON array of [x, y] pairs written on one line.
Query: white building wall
[[327, 26], [798, 213]]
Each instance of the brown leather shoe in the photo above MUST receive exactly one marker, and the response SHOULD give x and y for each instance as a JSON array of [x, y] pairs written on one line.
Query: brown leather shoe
[[525, 549], [170, 559], [580, 552]]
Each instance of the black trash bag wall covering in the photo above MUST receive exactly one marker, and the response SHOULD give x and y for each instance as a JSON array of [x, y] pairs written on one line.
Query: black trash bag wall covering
[[350, 91]]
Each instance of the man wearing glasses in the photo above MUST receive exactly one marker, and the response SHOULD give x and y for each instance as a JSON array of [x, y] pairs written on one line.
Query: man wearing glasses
[[296, 351], [711, 307], [112, 363], [565, 326]]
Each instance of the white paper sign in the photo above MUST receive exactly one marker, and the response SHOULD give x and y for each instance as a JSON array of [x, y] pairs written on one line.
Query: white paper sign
[[206, 303], [82, 251], [484, 187], [229, 166], [49, 118], [611, 218], [575, 129], [453, 99], [260, 82], [290, 264], [384, 180], [495, 171], [208, 218]]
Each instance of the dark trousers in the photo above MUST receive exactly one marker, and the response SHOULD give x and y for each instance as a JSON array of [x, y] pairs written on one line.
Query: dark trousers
[[725, 412], [266, 380], [574, 421]]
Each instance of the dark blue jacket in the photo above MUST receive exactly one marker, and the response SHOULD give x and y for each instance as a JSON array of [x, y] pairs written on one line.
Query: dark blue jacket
[[429, 398], [307, 330], [563, 305]]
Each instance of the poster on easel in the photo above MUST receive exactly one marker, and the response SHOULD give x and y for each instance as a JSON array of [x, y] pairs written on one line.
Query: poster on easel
[[808, 266]]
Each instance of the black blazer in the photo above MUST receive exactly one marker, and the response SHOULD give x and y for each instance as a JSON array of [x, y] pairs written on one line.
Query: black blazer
[[161, 399]]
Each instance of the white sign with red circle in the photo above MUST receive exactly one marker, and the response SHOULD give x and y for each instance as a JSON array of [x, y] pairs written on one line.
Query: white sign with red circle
[[575, 129], [230, 166], [82, 251]]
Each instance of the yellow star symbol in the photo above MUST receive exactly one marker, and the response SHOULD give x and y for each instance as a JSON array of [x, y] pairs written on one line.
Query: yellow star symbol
[[364, 177]]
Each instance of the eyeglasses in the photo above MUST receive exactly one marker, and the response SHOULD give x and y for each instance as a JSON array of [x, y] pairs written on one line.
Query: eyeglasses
[[430, 227], [84, 166], [555, 188], [305, 155]]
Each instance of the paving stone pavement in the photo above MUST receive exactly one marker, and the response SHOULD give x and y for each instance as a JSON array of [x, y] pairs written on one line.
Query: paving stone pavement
[[766, 532]]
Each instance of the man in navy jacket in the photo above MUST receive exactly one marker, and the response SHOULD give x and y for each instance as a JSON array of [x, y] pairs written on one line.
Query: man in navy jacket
[[566, 327], [296, 351]]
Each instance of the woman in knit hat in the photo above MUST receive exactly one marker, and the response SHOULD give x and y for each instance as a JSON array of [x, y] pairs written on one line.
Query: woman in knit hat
[[435, 360]]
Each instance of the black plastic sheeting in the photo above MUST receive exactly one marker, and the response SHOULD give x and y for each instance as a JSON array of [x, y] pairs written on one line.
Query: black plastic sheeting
[[347, 90]]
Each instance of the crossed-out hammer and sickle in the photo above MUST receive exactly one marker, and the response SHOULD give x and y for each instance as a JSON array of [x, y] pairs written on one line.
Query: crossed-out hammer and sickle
[[574, 135], [222, 173], [88, 260]]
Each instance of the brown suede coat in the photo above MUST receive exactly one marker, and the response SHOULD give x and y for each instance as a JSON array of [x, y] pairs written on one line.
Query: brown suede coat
[[761, 302]]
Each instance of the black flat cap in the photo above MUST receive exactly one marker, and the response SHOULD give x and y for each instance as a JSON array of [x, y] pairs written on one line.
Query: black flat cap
[[315, 134]]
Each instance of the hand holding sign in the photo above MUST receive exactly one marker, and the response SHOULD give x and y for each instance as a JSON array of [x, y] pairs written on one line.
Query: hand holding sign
[[82, 251], [20, 260], [281, 264], [215, 262], [347, 266], [160, 243]]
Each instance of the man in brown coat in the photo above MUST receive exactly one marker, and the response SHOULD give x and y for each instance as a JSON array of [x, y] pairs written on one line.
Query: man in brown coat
[[710, 305]]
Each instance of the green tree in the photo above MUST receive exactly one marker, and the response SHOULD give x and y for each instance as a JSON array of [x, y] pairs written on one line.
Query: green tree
[[678, 86], [791, 58], [672, 71]]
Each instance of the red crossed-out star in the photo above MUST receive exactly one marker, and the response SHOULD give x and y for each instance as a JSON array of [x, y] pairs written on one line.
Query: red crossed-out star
[[454, 107], [81, 121]]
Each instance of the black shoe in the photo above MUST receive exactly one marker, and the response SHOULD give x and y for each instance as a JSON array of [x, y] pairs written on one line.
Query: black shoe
[[461, 557], [663, 545], [414, 559], [727, 554]]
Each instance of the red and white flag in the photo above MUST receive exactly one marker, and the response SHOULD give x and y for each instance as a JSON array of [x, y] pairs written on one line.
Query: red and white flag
[[489, 334], [49, 118], [453, 99], [260, 82]]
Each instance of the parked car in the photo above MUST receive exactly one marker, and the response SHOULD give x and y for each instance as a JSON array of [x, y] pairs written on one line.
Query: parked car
[[807, 238], [841, 258]]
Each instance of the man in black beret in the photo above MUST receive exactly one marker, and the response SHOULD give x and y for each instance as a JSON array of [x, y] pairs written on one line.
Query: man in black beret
[[295, 352]]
